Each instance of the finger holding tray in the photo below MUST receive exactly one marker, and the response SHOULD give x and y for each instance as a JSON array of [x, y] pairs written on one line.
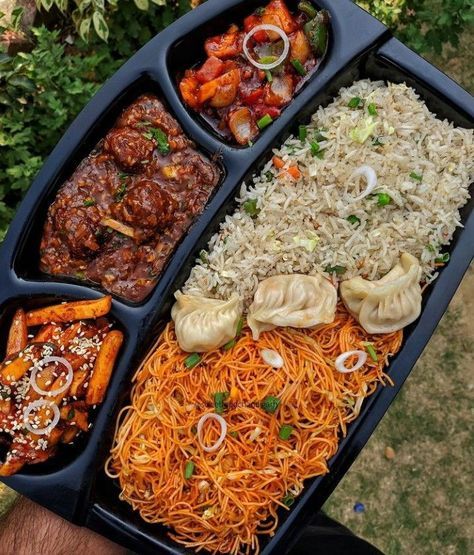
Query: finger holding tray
[[297, 299]]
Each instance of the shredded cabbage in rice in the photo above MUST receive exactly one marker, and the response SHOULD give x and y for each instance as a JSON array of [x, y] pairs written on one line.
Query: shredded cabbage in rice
[[420, 218]]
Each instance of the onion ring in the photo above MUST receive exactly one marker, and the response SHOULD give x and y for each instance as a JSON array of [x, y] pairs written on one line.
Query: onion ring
[[275, 29], [36, 405], [43, 362], [341, 359], [212, 416], [370, 176]]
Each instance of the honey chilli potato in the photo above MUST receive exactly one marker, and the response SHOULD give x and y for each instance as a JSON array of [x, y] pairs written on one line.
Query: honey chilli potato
[[58, 363]]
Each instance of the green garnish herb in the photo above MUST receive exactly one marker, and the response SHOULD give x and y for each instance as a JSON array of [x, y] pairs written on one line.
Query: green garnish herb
[[192, 360], [299, 67], [372, 109], [377, 142], [203, 257], [71, 414], [122, 188], [383, 199], [318, 135], [219, 399], [285, 431], [416, 176], [316, 150], [288, 500], [268, 176], [268, 59], [371, 350], [265, 121], [431, 248], [188, 469], [338, 270], [270, 404], [302, 133], [353, 219], [308, 9], [233, 434], [229, 345], [240, 325], [89, 202], [161, 139], [355, 102], [250, 207], [443, 259], [260, 11], [268, 75]]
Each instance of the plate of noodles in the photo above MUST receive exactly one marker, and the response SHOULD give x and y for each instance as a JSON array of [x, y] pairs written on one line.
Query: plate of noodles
[[280, 208]]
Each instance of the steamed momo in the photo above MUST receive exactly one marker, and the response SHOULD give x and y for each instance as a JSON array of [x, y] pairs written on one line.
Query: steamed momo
[[296, 300], [203, 324], [388, 304]]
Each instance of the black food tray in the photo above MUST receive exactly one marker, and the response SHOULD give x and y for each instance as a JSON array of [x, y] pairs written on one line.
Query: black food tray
[[73, 484]]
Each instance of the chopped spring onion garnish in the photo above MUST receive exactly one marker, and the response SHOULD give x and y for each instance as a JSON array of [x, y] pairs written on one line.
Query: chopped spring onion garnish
[[443, 259], [32, 426], [223, 425], [316, 150], [371, 178], [265, 121], [371, 350], [288, 500], [285, 431], [250, 207], [383, 199], [377, 142], [203, 257], [219, 401], [416, 176], [233, 434], [353, 219], [268, 75], [318, 135], [40, 366], [299, 67], [240, 325], [272, 358], [275, 29], [89, 202], [338, 270], [270, 404], [188, 470], [161, 139], [192, 360], [341, 359], [308, 9], [302, 133], [267, 59], [372, 109], [355, 102]]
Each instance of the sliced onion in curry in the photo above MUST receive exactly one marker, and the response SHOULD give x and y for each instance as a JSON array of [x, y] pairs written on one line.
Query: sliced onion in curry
[[283, 55]]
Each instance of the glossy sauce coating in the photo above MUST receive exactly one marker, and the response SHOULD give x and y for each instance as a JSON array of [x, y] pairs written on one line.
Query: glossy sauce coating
[[117, 220]]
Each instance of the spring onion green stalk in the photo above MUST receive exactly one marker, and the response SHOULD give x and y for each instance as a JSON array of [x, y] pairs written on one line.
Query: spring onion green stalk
[[316, 150], [270, 404], [416, 176], [229, 345], [383, 199], [355, 102], [353, 219], [203, 257], [89, 202], [233, 434], [302, 133], [338, 270], [192, 360], [372, 109], [285, 431], [267, 59], [265, 121], [308, 9], [268, 75], [443, 259], [188, 469], [371, 350], [219, 399], [288, 500], [250, 207], [377, 142], [299, 67]]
